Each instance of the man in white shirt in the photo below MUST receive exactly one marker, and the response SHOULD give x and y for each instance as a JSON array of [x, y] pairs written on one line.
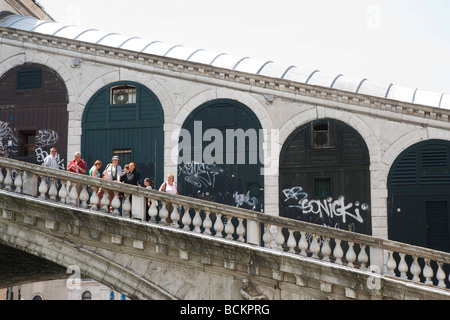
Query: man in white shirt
[[50, 160]]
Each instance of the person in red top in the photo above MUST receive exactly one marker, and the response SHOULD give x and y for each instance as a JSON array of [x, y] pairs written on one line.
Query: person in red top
[[77, 165]]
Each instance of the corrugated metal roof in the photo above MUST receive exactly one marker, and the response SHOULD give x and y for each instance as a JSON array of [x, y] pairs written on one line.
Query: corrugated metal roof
[[224, 60]]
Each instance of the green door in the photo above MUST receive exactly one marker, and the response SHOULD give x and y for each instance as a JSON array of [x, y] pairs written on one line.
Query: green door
[[419, 196], [125, 119]]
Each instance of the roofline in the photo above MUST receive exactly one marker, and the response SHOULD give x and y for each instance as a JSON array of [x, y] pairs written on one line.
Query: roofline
[[285, 88], [30, 8]]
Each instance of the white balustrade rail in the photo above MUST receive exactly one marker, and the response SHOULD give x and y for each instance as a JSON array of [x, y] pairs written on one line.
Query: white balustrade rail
[[353, 250]]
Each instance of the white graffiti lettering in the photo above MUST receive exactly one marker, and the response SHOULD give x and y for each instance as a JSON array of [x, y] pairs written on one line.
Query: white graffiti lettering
[[334, 208], [241, 198], [46, 138], [297, 194], [199, 174]]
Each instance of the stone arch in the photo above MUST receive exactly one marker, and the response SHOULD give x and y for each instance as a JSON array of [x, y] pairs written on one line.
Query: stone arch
[[172, 134], [404, 142], [314, 113], [224, 93], [81, 259], [50, 61]]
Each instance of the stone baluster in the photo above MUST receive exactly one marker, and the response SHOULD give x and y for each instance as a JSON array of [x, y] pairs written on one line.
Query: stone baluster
[[175, 216], [197, 221], [428, 272], [291, 242], [8, 180], [267, 236], [240, 230], [42, 188], [279, 239], [53, 191], [73, 194], [303, 244], [350, 256], [363, 258], [326, 249], [315, 246], [126, 206], [391, 264], [63, 192], [415, 270], [163, 213], [93, 201], [218, 225], [115, 203], [207, 223], [186, 220], [338, 253], [153, 211], [18, 182], [403, 266], [104, 202], [440, 276], [229, 229], [84, 196]]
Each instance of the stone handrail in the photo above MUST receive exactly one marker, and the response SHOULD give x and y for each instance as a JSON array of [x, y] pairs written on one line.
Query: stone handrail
[[354, 250]]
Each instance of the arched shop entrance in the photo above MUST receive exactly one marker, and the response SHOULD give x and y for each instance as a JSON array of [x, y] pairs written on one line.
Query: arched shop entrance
[[219, 156], [324, 176], [33, 114], [419, 196], [125, 119]]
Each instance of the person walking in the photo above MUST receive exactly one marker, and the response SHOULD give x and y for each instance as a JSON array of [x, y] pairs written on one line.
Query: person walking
[[112, 172], [50, 160], [95, 169], [169, 186], [132, 176], [77, 165]]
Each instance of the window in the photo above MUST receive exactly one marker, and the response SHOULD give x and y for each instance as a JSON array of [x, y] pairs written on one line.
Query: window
[[124, 156], [322, 187], [125, 94], [28, 143], [320, 132], [86, 296], [29, 78]]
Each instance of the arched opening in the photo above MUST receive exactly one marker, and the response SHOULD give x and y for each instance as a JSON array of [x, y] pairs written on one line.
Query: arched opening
[[220, 155], [33, 114], [324, 176], [125, 119], [419, 196]]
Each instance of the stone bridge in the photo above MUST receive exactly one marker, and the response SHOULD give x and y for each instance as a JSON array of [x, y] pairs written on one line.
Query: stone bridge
[[49, 230]]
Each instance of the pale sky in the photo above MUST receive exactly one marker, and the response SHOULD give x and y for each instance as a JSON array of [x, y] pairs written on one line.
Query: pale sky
[[405, 42]]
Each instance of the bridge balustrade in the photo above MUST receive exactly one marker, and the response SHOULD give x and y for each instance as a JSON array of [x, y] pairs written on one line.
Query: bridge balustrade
[[382, 257]]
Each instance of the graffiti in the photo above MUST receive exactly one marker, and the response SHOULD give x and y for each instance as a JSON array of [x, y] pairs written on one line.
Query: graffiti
[[329, 207], [199, 174], [46, 138], [336, 208], [6, 134], [241, 198], [41, 155], [295, 193]]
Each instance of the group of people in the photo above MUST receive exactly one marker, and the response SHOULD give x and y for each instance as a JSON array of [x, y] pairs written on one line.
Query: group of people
[[113, 172]]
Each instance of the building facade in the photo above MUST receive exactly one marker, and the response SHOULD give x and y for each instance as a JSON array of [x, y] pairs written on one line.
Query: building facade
[[330, 150]]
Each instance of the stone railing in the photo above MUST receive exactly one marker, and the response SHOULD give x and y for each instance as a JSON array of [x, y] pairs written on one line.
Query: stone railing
[[382, 257]]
